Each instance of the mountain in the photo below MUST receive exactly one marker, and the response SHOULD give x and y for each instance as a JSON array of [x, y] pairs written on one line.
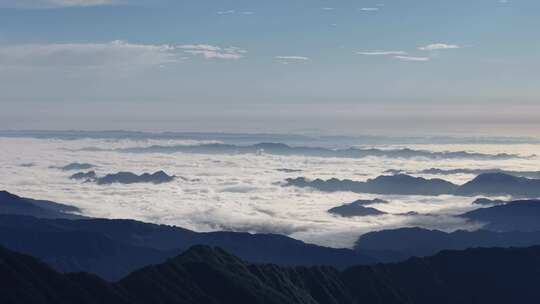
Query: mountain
[[286, 150], [482, 275], [87, 176], [26, 280], [13, 204], [488, 202], [204, 275], [391, 184], [402, 184], [501, 184], [422, 242], [113, 248], [437, 171], [357, 208], [523, 215], [158, 177]]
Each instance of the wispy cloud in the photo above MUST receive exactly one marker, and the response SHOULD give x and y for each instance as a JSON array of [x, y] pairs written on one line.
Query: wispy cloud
[[369, 9], [213, 52], [291, 59], [439, 46], [232, 12], [110, 54], [228, 12], [36, 4], [412, 58]]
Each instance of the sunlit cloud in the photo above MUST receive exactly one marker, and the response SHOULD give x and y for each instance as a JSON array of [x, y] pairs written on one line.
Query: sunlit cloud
[[439, 46], [412, 58]]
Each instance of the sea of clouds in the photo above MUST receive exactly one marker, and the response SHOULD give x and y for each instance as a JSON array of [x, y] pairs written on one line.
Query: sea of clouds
[[240, 192]]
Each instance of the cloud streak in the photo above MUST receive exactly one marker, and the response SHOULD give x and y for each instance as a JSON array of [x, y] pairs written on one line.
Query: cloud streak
[[110, 54], [116, 53], [439, 46]]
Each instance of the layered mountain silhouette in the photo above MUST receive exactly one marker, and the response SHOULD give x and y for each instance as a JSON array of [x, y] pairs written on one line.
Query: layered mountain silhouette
[[211, 275], [285, 150], [391, 184], [523, 215], [402, 184], [423, 242], [501, 184], [113, 248], [437, 171], [13, 204]]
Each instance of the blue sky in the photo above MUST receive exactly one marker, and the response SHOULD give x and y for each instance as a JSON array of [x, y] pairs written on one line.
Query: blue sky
[[321, 66]]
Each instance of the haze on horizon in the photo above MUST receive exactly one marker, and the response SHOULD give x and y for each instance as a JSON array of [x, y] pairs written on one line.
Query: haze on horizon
[[342, 67]]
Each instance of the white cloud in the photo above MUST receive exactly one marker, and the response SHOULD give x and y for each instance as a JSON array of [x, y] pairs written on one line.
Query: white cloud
[[200, 202], [30, 4], [381, 53], [412, 58], [110, 54], [213, 52], [439, 46], [369, 9], [115, 53], [291, 59], [228, 12], [300, 58]]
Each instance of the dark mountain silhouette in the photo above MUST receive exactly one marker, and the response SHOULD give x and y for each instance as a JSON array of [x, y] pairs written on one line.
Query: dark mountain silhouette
[[422, 242], [286, 170], [210, 275], [484, 184], [158, 177], [75, 166], [391, 184], [113, 248], [13, 204], [436, 171], [87, 176], [521, 215], [286, 150], [501, 184], [488, 202], [357, 208]]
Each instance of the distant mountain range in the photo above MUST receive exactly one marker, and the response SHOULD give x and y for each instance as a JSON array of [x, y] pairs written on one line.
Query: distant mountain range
[[523, 215], [250, 138], [204, 275], [402, 184], [423, 242], [436, 171], [286, 150]]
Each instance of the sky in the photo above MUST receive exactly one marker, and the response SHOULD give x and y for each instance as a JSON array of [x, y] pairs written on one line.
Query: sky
[[397, 67]]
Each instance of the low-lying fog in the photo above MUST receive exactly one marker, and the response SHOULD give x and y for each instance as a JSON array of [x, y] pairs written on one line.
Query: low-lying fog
[[240, 192]]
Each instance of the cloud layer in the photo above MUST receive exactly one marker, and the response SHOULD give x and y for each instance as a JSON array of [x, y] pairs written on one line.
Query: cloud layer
[[236, 192]]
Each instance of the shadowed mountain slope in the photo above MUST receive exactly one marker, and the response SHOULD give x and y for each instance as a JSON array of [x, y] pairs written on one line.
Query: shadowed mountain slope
[[210, 275], [422, 242]]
